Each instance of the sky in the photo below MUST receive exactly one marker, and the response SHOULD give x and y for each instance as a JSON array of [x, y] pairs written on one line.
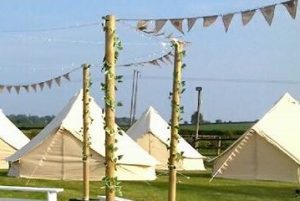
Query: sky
[[242, 72]]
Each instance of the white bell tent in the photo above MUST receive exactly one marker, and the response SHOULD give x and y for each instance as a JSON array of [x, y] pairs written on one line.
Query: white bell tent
[[269, 150], [152, 133], [11, 139], [56, 152]]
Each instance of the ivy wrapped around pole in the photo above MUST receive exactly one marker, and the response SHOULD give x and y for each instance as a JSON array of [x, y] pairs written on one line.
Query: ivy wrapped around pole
[[176, 93], [86, 136], [110, 179]]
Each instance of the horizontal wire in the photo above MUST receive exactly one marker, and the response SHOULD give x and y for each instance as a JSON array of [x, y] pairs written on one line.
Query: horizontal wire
[[250, 81], [76, 26]]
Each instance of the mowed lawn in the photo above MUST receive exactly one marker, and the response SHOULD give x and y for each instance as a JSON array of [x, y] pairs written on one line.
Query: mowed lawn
[[191, 187]]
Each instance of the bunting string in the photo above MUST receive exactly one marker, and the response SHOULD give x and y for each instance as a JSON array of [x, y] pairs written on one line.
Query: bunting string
[[39, 85], [164, 59], [233, 154], [246, 15], [155, 62]]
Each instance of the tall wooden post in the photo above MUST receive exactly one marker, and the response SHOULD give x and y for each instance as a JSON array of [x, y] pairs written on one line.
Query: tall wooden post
[[196, 142], [86, 124], [110, 127], [175, 120]]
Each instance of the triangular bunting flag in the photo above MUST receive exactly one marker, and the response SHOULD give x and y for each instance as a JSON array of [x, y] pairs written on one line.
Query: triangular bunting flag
[[8, 88], [17, 88], [209, 20], [41, 84], [177, 23], [1, 88], [34, 87], [162, 60], [247, 16], [142, 25], [227, 20], [159, 25], [291, 7], [49, 83], [154, 62], [67, 76], [26, 87], [268, 13], [191, 22], [167, 57], [57, 80]]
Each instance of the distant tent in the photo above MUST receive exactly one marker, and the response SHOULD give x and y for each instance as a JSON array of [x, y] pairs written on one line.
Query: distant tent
[[269, 150], [56, 152], [152, 133], [11, 139]]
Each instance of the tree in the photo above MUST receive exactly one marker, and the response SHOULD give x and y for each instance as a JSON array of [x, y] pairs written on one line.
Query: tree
[[194, 118]]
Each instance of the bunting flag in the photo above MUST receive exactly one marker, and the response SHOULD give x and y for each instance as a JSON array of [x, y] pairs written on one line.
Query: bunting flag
[[227, 20], [159, 25], [67, 76], [49, 83], [156, 62], [209, 20], [268, 13], [57, 80], [291, 7], [191, 23], [41, 85], [33, 86], [17, 88], [8, 88], [246, 15], [177, 23]]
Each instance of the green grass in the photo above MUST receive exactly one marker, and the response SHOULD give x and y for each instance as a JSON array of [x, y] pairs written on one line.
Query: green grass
[[197, 188], [242, 126]]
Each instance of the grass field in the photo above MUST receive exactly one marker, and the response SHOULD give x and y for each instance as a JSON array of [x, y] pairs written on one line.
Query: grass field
[[242, 126], [195, 188]]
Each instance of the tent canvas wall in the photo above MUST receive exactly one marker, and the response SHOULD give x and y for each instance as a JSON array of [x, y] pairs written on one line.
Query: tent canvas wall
[[269, 150], [11, 139], [152, 133], [56, 152]]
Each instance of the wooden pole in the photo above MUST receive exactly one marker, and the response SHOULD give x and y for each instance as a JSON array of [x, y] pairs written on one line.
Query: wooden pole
[[110, 127], [86, 124], [132, 98], [175, 120], [196, 144]]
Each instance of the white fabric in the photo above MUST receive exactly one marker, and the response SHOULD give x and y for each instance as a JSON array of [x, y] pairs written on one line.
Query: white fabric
[[70, 119], [281, 126], [152, 122], [10, 134], [273, 152]]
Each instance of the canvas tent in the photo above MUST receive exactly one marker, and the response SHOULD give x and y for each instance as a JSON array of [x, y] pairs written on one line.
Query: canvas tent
[[269, 150], [56, 152], [11, 139], [152, 133]]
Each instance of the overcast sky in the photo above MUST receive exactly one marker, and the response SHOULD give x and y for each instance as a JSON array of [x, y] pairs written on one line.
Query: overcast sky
[[242, 72]]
